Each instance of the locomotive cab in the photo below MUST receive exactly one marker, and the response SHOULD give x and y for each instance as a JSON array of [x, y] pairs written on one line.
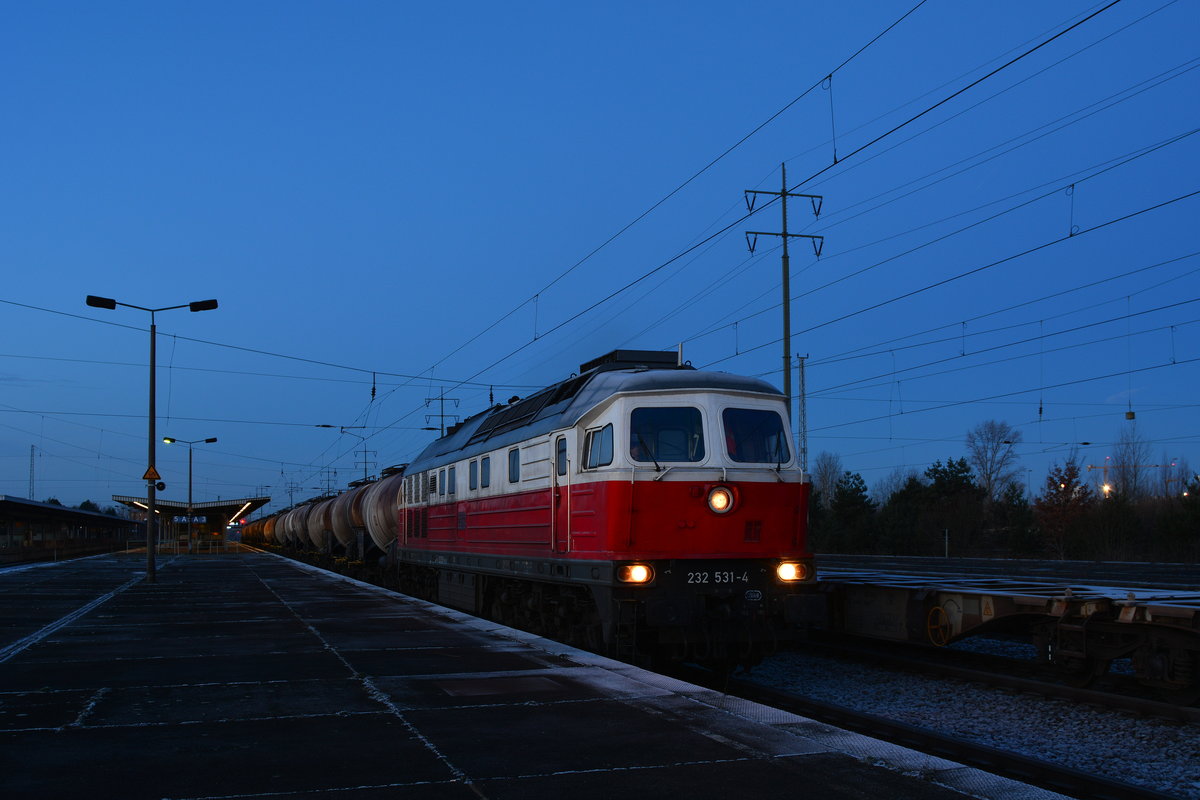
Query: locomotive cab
[[706, 508]]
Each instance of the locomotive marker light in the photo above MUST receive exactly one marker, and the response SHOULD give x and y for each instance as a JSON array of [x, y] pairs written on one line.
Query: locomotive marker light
[[720, 500], [791, 571], [151, 476], [635, 573]]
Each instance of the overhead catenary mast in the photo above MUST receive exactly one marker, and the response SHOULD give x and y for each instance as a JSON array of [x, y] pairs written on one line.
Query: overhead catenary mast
[[817, 242]]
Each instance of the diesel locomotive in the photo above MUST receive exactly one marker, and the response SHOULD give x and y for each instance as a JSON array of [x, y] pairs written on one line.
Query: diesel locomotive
[[638, 507]]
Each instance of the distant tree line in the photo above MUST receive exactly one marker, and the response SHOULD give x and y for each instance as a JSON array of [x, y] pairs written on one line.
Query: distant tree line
[[86, 505], [975, 506]]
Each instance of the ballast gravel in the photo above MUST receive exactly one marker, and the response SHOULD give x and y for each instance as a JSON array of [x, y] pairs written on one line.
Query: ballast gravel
[[1158, 754]]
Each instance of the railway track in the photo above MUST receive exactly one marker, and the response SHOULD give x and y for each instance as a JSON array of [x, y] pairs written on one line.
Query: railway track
[[1007, 673], [1155, 575], [1037, 772]]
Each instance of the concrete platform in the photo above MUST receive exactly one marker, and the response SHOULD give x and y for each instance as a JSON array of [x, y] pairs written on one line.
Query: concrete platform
[[247, 676]]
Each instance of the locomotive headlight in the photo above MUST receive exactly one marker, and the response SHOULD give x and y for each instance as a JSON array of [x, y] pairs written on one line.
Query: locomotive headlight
[[790, 571], [635, 573], [720, 499]]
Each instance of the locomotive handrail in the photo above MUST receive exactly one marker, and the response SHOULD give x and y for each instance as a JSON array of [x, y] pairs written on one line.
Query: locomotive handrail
[[724, 472]]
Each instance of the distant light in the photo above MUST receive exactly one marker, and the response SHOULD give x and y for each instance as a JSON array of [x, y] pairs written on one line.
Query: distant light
[[238, 514]]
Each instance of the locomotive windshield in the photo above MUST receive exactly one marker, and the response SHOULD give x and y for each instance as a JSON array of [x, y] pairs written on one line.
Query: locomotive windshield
[[755, 435], [666, 434]]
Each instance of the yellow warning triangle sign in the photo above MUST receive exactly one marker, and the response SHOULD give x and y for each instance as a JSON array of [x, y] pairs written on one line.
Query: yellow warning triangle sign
[[152, 475]]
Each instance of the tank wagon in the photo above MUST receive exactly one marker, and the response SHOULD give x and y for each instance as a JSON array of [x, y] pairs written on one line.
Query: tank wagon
[[640, 506]]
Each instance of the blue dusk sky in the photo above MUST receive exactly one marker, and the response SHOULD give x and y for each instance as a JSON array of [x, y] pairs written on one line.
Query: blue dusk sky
[[394, 202]]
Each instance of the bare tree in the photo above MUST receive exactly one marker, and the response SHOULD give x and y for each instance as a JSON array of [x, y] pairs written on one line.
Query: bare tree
[[1131, 458], [896, 480], [991, 454], [826, 472]]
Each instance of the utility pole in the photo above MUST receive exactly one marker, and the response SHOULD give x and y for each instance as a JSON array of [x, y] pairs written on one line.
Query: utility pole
[[363, 439], [329, 476], [365, 452], [817, 242], [32, 448], [441, 415]]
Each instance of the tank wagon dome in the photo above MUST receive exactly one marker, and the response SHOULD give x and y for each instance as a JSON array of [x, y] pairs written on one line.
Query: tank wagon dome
[[565, 403]]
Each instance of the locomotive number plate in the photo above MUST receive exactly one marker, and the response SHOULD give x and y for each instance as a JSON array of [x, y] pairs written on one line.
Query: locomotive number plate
[[718, 576]]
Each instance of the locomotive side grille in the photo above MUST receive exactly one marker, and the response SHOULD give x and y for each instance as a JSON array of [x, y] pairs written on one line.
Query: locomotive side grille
[[753, 531]]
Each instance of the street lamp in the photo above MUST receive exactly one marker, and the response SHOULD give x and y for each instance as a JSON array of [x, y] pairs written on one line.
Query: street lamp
[[169, 440], [151, 476]]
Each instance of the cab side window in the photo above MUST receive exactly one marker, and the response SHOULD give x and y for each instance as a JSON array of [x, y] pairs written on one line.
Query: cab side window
[[599, 447]]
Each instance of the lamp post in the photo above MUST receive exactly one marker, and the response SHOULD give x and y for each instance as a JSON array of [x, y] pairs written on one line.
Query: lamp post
[[151, 476], [169, 440]]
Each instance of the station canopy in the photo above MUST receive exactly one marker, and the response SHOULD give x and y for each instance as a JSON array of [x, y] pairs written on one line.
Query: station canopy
[[217, 513]]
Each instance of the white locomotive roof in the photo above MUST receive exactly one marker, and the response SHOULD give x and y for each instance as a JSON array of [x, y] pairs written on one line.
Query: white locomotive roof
[[563, 404]]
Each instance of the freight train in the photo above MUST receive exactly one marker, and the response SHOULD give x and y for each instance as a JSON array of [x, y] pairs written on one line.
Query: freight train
[[639, 507]]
